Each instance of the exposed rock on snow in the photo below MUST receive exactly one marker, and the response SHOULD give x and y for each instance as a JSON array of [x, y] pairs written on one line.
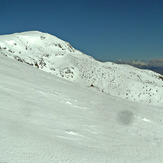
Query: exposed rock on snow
[[58, 57]]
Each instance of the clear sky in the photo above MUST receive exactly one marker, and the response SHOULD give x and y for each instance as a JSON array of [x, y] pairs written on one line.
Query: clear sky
[[104, 29]]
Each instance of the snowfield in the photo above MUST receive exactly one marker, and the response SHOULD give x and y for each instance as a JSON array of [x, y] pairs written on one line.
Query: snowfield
[[81, 111], [47, 119], [53, 55]]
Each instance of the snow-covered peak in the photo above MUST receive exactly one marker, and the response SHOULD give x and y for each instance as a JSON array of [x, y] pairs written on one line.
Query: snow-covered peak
[[36, 38], [58, 57], [46, 119]]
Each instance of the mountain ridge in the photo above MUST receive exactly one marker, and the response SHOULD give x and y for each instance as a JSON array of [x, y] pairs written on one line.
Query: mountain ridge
[[45, 118], [55, 56]]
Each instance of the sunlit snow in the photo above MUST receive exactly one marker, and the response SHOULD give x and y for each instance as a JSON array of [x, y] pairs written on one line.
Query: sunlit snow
[[47, 119], [57, 57]]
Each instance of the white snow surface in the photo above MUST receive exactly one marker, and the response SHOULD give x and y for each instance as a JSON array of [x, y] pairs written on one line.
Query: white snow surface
[[47, 119], [58, 57]]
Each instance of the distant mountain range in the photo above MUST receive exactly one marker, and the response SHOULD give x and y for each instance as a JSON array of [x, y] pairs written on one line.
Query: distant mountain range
[[154, 65], [55, 56]]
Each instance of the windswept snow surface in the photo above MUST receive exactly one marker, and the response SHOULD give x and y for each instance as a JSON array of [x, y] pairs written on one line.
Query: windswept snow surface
[[58, 57], [47, 119]]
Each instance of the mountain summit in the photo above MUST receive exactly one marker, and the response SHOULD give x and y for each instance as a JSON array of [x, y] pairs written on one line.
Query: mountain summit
[[53, 55]]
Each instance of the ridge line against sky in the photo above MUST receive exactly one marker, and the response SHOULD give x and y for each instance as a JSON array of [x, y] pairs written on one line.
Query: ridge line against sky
[[106, 29]]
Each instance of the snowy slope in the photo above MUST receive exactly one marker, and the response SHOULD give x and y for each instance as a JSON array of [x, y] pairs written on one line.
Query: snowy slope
[[47, 119], [58, 57]]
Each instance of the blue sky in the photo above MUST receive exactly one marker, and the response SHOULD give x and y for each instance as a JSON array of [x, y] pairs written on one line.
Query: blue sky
[[104, 29]]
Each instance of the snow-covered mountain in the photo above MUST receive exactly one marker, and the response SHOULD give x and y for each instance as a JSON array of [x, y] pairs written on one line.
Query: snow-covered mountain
[[46, 119], [58, 57]]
